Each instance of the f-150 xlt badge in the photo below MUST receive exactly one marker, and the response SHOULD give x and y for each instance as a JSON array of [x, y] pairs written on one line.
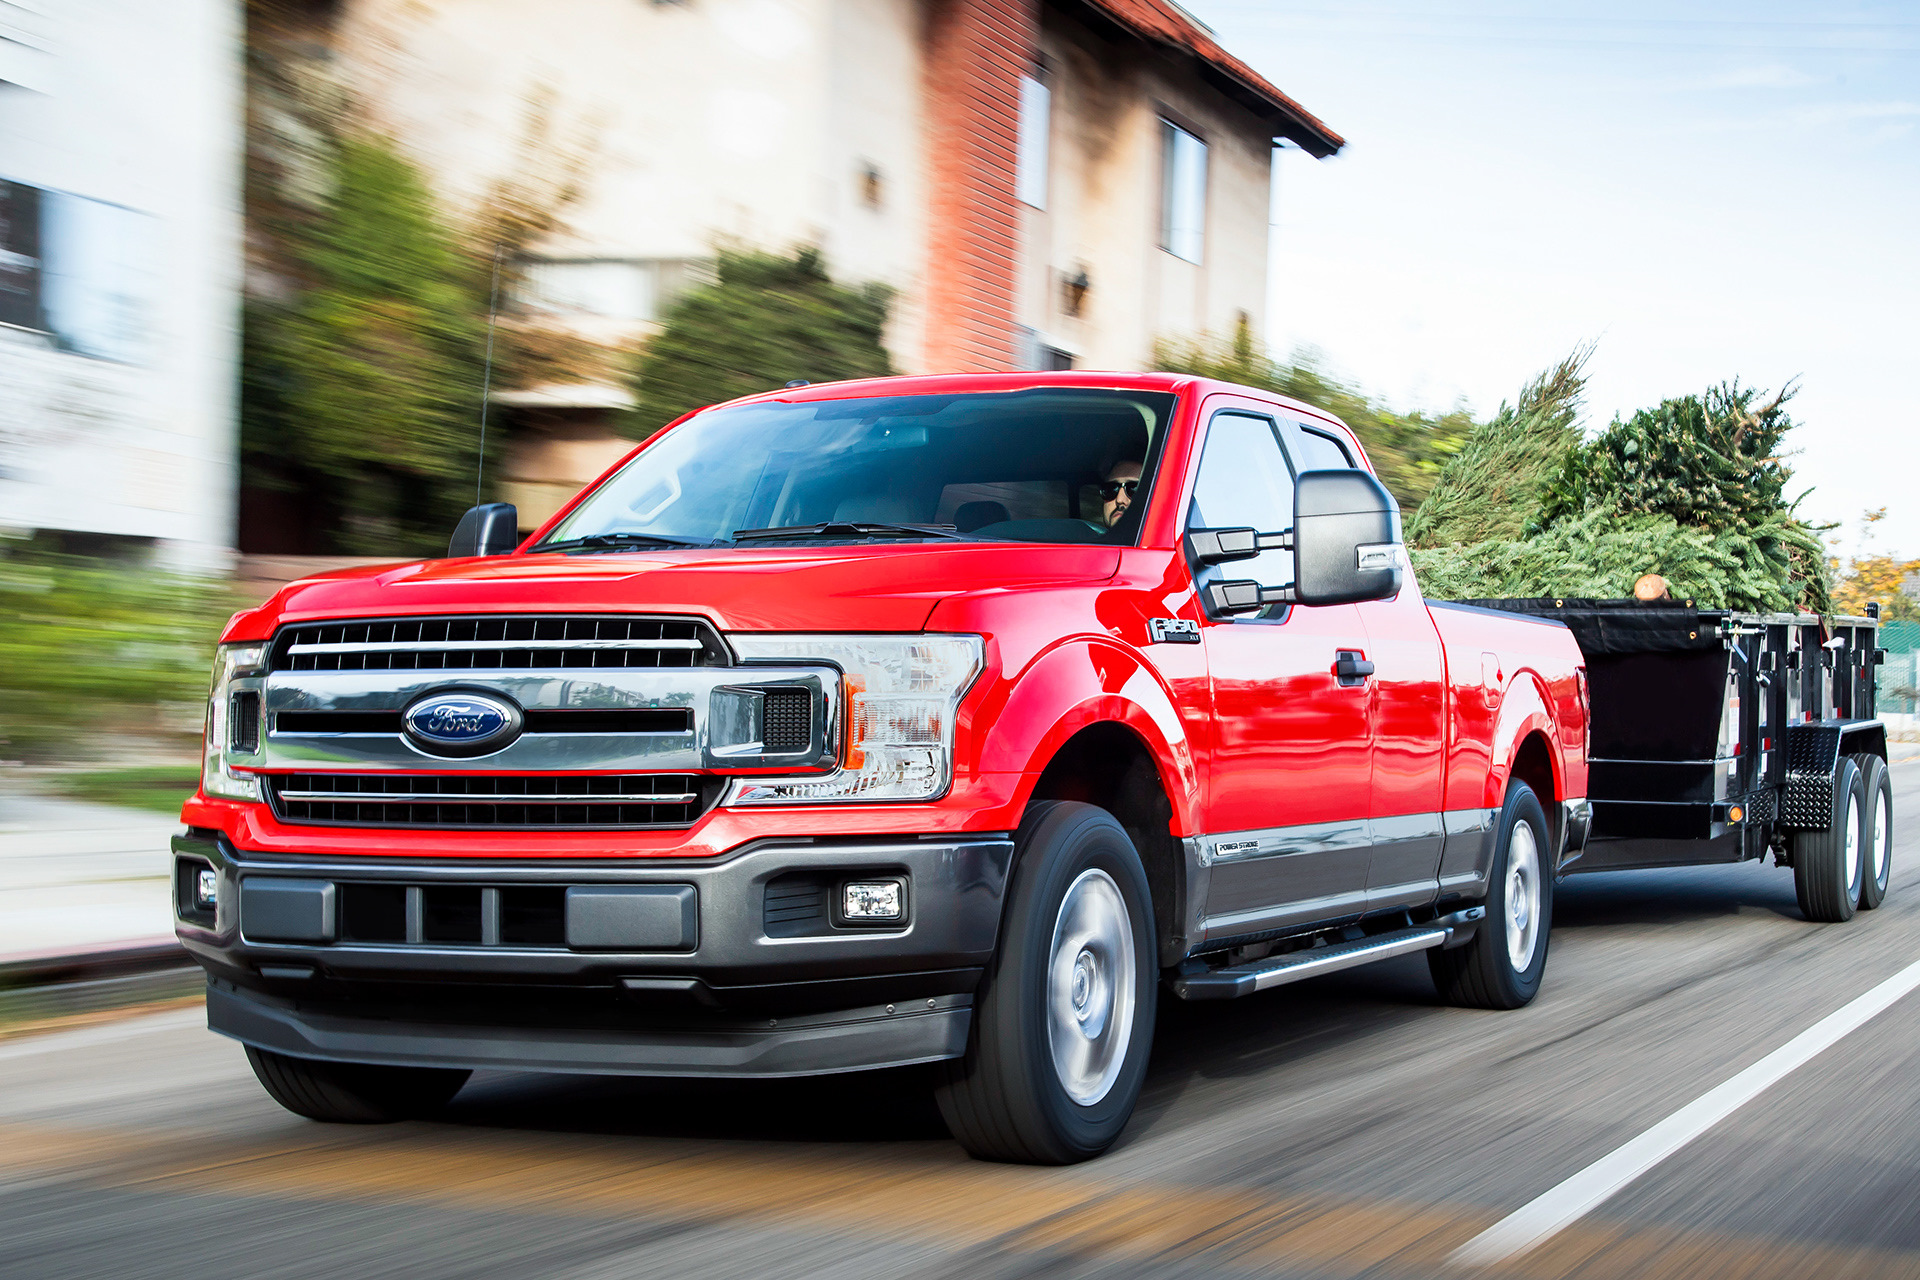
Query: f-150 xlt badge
[[1173, 631], [461, 722]]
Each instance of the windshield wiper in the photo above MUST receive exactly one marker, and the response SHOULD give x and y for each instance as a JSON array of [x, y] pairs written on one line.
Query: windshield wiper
[[849, 529], [619, 542]]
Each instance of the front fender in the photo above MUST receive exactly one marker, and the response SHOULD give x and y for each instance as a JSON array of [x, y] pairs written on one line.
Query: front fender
[[1080, 682]]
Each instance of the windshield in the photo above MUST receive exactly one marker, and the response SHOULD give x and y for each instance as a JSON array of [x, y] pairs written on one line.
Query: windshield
[[1050, 464]]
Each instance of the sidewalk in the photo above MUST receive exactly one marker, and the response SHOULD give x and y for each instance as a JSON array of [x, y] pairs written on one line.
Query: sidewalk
[[76, 876]]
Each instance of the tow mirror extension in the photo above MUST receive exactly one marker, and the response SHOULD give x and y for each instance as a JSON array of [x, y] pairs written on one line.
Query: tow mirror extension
[[1226, 598], [1218, 546]]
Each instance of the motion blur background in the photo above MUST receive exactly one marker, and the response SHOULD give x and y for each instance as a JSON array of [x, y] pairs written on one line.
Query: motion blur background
[[249, 251]]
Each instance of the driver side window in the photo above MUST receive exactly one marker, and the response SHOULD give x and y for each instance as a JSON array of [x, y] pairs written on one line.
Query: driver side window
[[1245, 482]]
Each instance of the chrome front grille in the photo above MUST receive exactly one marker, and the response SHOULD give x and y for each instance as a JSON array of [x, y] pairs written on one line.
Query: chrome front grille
[[498, 644], [473, 801]]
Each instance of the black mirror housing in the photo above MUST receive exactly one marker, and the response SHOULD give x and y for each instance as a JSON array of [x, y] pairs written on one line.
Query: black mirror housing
[[1346, 538], [490, 529], [1220, 546]]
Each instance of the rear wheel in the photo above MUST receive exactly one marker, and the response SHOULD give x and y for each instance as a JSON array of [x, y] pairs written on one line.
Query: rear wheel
[[354, 1092], [1064, 1020], [1876, 829], [1828, 865], [1501, 967]]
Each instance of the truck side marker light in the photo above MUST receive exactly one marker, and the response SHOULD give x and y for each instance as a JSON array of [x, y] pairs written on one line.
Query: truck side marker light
[[1736, 813]]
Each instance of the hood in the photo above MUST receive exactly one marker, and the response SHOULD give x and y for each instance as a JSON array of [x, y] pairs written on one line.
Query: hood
[[865, 588]]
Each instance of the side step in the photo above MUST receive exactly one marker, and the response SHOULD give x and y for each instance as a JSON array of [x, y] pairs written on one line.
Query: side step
[[1310, 962]]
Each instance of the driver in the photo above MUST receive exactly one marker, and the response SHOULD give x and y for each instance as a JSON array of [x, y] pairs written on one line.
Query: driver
[[1117, 490]]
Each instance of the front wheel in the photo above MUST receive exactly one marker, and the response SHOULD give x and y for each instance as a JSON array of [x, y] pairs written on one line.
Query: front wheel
[[1064, 1021], [1501, 967], [353, 1092]]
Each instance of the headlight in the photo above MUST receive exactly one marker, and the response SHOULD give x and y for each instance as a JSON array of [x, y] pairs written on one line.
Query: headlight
[[230, 661], [898, 696]]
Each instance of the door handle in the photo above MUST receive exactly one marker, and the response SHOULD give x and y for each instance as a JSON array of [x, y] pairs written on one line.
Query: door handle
[[1351, 667]]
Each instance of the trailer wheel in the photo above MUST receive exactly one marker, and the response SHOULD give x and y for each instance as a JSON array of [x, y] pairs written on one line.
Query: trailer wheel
[[1501, 967], [1064, 1020], [354, 1092], [1827, 865], [1876, 829]]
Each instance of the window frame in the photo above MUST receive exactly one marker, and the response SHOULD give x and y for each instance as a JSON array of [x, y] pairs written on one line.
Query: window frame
[[1203, 574], [1172, 130], [1033, 141]]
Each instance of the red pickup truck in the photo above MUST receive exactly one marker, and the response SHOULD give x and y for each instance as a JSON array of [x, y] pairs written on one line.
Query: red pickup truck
[[939, 720]]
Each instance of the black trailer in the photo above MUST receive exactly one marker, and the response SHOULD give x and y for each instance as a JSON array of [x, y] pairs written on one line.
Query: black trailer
[[1720, 736]]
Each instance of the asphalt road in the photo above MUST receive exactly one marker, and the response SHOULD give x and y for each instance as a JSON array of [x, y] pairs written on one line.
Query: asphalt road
[[1346, 1126]]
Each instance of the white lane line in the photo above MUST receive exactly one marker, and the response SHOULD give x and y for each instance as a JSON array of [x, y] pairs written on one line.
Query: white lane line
[[86, 1037], [1546, 1215]]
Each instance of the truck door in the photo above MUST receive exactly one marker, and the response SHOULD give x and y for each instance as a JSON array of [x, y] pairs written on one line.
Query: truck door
[[1408, 715], [1288, 776]]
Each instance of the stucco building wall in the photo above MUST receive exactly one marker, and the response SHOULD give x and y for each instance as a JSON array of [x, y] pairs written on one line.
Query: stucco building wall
[[128, 118]]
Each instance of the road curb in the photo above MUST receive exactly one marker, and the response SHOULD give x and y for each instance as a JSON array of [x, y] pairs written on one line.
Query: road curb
[[125, 960]]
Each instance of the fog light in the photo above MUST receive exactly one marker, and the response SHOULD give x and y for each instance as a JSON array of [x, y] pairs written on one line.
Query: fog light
[[872, 900], [206, 889]]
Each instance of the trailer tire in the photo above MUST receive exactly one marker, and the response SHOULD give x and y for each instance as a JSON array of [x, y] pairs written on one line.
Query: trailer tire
[[1827, 865], [354, 1092], [1064, 1019], [1502, 966], [1876, 830]]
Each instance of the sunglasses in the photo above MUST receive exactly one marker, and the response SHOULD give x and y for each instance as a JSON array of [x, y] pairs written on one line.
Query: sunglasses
[[1110, 489]]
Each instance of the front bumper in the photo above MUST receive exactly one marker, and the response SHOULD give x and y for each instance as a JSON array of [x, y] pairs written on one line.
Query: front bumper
[[747, 987]]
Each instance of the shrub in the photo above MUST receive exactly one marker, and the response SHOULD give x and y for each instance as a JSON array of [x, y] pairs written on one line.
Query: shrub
[[766, 321], [88, 646]]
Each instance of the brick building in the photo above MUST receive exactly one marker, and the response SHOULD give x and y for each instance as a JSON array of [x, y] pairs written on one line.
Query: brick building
[[1043, 183]]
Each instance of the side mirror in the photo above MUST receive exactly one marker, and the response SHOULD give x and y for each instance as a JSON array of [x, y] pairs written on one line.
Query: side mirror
[[490, 529], [1346, 539]]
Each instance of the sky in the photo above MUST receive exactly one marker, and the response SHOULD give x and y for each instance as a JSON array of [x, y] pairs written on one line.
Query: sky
[[1702, 191]]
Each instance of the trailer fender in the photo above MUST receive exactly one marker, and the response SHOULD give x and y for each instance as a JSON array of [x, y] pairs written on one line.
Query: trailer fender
[[1813, 753]]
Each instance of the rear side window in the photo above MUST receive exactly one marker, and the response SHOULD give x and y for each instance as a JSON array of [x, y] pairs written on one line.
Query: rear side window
[[1321, 452]]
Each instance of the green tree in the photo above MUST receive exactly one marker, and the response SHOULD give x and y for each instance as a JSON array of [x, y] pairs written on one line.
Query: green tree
[[1408, 450], [766, 321], [363, 390]]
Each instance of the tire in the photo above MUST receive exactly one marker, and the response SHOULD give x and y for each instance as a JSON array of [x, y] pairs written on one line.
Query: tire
[[1827, 864], [1876, 830], [1076, 952], [353, 1092], [1501, 968]]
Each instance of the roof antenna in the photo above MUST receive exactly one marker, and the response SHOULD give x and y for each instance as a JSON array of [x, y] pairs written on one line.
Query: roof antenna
[[486, 381]]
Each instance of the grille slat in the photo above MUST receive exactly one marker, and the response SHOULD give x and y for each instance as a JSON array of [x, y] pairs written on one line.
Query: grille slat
[[497, 644], [483, 801]]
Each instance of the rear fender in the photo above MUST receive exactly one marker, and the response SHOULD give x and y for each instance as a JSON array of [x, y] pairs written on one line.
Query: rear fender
[[1075, 684], [1526, 707]]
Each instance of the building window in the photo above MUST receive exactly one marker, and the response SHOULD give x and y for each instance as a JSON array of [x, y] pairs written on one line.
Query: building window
[[1183, 192], [1036, 124], [78, 270], [627, 289]]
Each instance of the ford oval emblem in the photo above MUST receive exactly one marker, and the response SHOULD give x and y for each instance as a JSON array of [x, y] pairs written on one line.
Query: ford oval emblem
[[462, 722]]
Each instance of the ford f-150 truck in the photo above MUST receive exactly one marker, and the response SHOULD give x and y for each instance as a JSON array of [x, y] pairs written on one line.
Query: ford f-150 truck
[[947, 720]]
